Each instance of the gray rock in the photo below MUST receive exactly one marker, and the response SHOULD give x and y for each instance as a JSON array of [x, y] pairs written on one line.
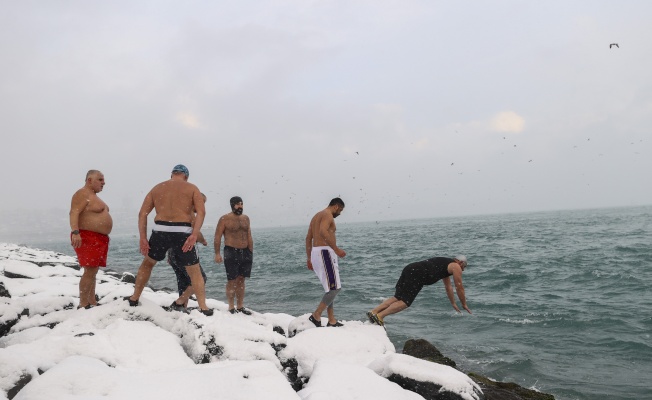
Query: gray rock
[[421, 348]]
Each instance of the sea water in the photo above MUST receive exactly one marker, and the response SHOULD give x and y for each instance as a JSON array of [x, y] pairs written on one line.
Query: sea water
[[561, 301]]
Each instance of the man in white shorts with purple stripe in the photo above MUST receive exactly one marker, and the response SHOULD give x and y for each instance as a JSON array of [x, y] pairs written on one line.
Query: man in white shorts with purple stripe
[[323, 253]]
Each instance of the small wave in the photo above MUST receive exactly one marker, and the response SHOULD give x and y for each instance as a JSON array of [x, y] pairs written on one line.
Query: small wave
[[524, 321], [603, 274], [375, 298]]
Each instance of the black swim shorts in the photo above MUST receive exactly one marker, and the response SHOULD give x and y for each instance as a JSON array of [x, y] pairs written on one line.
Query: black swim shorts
[[237, 262], [409, 284], [160, 242]]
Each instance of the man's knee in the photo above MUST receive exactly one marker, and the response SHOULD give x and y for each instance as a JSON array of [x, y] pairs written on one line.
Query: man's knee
[[90, 272], [148, 262], [194, 272]]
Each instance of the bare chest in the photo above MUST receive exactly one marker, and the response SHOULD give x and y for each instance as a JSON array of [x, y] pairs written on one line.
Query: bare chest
[[233, 225], [96, 205]]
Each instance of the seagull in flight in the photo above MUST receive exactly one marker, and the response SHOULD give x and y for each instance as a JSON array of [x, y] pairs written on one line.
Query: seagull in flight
[[614, 44]]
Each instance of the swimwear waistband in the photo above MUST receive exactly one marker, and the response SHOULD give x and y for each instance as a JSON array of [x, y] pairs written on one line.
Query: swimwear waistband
[[175, 227], [235, 248], [322, 247], [93, 233]]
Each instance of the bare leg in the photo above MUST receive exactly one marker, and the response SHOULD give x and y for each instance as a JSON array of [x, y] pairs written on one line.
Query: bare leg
[[319, 311], [331, 315], [144, 272], [183, 299], [240, 291], [87, 286], [91, 295], [384, 305], [197, 282], [398, 305], [230, 293]]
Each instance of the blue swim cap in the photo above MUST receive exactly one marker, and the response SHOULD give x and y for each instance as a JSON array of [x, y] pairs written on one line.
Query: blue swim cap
[[181, 168]]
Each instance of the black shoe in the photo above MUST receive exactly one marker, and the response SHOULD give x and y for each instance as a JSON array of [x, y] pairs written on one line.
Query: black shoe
[[177, 307], [244, 311], [337, 324], [208, 312], [132, 303], [370, 316], [314, 321], [233, 311], [378, 320], [87, 307]]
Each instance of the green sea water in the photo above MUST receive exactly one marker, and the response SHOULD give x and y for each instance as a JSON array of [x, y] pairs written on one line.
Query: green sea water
[[561, 300]]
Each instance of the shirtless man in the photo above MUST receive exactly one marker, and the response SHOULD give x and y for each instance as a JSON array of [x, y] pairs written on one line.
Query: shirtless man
[[175, 200], [90, 224], [238, 253], [414, 277], [322, 253]]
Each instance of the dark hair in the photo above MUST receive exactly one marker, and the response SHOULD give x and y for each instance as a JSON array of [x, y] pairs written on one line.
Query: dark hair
[[235, 200], [336, 202]]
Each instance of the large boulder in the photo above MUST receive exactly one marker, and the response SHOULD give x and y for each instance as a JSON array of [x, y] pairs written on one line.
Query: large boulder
[[431, 380], [492, 390], [423, 349]]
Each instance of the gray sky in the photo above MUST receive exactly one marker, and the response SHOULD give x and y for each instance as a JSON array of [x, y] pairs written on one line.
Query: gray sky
[[405, 109]]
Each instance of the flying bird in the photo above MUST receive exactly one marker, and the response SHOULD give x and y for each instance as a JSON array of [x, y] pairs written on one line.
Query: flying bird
[[614, 44]]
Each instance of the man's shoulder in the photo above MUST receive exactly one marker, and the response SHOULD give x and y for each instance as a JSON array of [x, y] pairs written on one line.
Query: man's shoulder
[[160, 185], [83, 192]]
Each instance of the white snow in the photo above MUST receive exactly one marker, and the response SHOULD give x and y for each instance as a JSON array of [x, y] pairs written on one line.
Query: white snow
[[114, 351]]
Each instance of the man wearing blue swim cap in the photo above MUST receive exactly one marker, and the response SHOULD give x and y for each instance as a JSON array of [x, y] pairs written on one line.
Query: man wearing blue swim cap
[[175, 227]]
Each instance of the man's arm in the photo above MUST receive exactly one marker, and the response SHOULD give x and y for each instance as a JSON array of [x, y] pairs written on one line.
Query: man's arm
[[200, 236], [200, 212], [250, 238], [201, 239], [77, 205], [217, 242], [145, 209], [449, 292], [455, 269], [309, 246], [328, 235]]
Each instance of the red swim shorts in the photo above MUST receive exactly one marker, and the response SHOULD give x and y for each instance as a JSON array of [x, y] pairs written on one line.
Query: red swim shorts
[[93, 250]]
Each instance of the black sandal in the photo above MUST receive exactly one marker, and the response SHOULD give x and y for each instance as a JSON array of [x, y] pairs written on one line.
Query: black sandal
[[314, 321]]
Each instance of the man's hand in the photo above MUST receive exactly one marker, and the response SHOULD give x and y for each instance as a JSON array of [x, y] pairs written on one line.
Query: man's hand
[[190, 243], [76, 241], [205, 243], [340, 253], [218, 258], [309, 263], [144, 246]]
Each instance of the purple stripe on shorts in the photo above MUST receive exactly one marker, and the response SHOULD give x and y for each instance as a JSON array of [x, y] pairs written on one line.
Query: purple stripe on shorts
[[330, 270]]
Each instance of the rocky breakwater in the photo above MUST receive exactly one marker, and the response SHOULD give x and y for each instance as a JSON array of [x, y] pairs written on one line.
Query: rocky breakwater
[[50, 349]]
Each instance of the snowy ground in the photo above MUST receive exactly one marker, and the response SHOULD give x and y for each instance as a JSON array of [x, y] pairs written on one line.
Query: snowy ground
[[114, 351]]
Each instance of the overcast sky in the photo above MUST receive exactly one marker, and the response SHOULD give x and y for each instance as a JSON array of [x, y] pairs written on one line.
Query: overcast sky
[[405, 109]]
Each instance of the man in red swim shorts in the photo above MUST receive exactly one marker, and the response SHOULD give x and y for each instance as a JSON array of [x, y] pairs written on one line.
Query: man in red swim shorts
[[90, 225]]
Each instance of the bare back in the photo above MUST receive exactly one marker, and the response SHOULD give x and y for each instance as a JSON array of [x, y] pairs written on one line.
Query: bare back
[[173, 200], [322, 228]]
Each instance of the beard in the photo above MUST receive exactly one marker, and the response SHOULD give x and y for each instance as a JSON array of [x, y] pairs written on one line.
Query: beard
[[237, 211]]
